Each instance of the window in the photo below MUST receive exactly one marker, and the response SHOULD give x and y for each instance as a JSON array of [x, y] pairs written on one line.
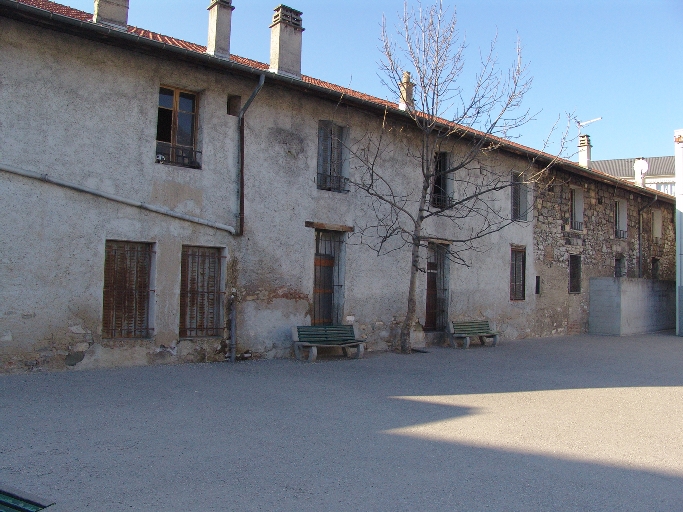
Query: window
[[656, 226], [200, 292], [328, 279], [330, 157], [234, 105], [517, 273], [655, 268], [127, 290], [436, 311], [620, 219], [574, 274], [576, 209], [666, 187], [619, 267], [441, 193], [519, 197], [176, 128]]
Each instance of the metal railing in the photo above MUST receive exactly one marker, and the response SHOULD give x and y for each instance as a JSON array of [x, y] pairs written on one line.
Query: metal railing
[[576, 225], [620, 233], [178, 155], [441, 201]]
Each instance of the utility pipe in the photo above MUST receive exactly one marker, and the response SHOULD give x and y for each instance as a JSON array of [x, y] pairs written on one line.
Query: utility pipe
[[243, 110], [640, 235], [113, 197]]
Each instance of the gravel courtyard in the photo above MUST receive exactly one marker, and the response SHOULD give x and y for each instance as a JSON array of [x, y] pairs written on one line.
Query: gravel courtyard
[[577, 423]]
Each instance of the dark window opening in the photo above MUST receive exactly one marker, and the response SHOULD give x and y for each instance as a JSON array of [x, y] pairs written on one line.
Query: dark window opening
[[517, 274], [619, 267], [574, 274], [200, 292], [538, 285], [440, 196], [436, 311], [127, 291], [328, 279], [330, 157], [234, 105], [176, 128]]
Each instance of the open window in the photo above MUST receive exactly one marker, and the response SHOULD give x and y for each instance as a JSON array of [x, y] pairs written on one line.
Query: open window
[[576, 208], [440, 196], [177, 128], [656, 226], [620, 224]]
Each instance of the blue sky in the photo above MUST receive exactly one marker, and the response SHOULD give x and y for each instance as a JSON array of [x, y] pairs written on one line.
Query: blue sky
[[619, 60]]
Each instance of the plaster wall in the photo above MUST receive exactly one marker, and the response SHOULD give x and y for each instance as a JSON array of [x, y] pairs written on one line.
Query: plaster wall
[[87, 114]]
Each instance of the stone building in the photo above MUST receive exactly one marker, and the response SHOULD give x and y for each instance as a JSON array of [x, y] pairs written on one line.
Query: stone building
[[149, 184]]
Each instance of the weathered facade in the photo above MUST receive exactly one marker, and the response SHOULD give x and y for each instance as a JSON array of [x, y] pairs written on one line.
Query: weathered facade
[[147, 184]]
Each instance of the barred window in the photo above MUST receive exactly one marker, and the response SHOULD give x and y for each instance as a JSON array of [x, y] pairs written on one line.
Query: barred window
[[574, 274], [328, 278], [441, 195], [517, 273], [127, 293], [519, 198], [330, 157], [200, 292]]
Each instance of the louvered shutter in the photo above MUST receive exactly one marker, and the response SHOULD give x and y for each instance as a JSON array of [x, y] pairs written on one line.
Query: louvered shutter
[[324, 150]]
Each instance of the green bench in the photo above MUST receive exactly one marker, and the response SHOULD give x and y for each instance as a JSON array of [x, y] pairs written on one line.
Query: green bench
[[313, 336], [467, 330]]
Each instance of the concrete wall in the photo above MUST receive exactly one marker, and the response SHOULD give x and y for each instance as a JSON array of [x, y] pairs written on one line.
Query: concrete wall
[[621, 306]]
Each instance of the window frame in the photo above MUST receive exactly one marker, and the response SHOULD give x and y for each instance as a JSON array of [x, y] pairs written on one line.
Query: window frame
[[620, 219], [575, 273], [519, 197], [517, 273], [171, 152], [332, 162], [576, 208], [128, 304], [657, 225], [444, 198], [201, 316]]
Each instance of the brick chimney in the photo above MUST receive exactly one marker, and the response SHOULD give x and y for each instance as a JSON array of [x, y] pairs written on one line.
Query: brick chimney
[[585, 151], [285, 42], [111, 12], [405, 89], [220, 22]]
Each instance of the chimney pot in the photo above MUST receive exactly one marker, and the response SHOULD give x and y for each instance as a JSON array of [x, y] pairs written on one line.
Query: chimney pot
[[111, 12], [220, 23], [286, 41], [405, 88], [585, 151]]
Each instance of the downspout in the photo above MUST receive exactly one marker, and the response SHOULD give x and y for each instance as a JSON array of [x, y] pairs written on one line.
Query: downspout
[[243, 111], [640, 235], [240, 228]]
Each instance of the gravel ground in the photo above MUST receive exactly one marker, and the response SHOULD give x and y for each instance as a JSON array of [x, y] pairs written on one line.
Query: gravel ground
[[580, 423]]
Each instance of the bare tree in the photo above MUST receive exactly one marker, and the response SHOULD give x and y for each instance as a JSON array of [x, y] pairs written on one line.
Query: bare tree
[[470, 127]]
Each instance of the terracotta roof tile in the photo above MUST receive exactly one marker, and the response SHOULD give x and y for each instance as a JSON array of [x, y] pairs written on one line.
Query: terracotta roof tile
[[56, 8]]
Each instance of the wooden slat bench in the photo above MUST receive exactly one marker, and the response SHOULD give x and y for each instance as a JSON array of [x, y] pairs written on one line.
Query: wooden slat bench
[[313, 336], [467, 330]]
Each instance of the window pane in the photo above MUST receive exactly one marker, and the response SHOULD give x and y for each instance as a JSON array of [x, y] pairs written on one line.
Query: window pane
[[185, 135], [186, 103], [164, 123], [166, 98]]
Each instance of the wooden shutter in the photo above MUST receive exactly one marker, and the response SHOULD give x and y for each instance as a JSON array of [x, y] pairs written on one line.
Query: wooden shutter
[[323, 290], [126, 293], [200, 293]]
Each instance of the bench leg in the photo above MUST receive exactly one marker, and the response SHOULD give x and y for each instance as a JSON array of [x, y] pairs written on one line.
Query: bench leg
[[495, 340], [360, 351], [297, 351], [466, 342], [345, 351], [312, 354]]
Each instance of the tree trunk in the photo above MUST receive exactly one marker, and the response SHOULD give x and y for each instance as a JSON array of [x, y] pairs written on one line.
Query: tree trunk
[[410, 314]]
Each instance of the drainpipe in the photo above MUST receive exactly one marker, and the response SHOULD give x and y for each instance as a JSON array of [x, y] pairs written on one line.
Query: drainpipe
[[243, 111], [640, 235]]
